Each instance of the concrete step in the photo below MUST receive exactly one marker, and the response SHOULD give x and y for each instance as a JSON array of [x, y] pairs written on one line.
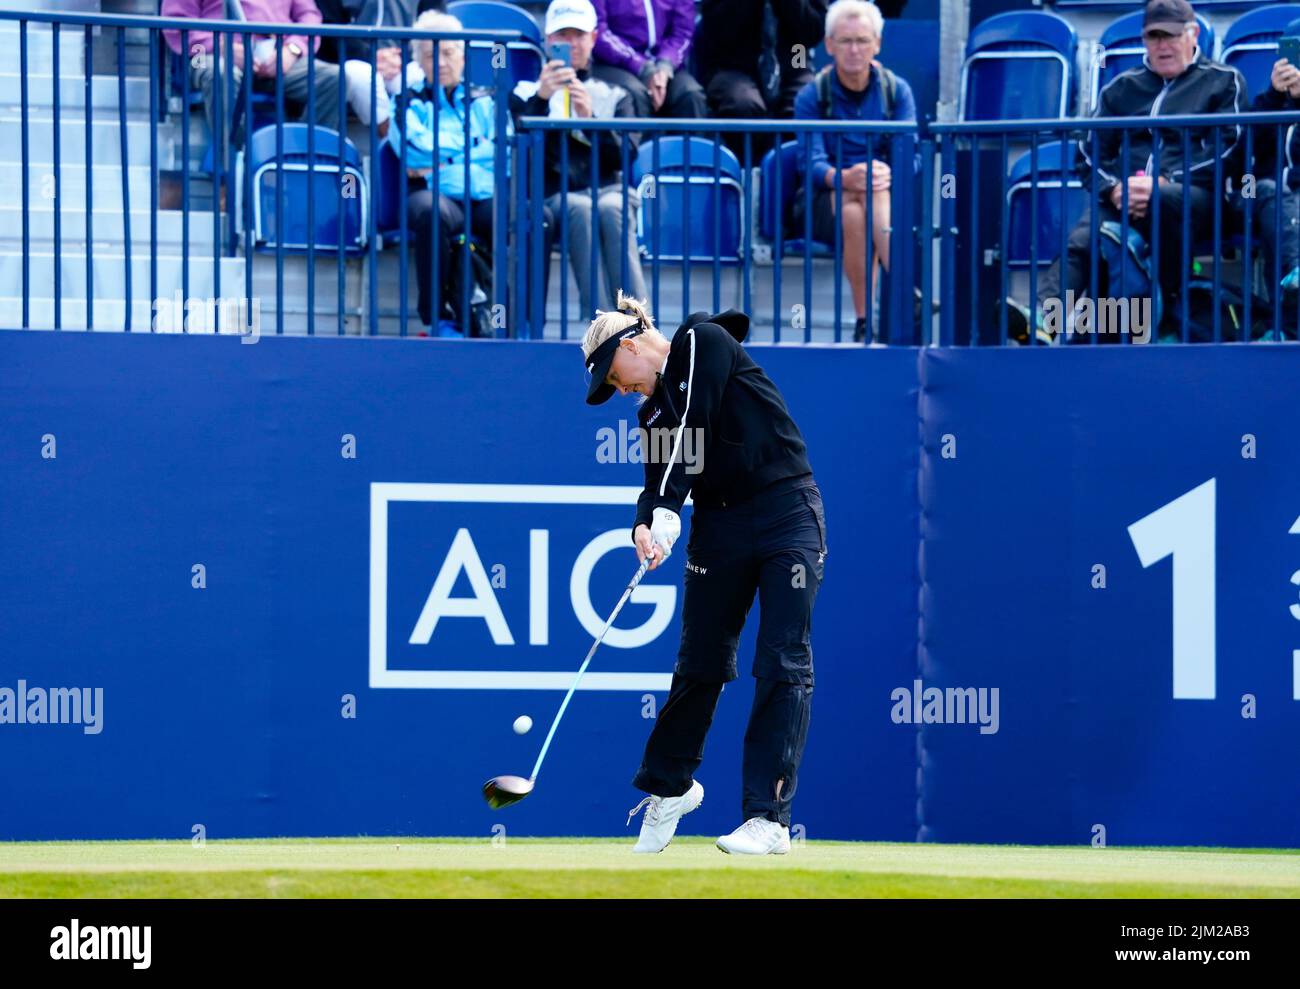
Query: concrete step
[[72, 95], [109, 274], [106, 185], [325, 299], [108, 228], [40, 49], [105, 144]]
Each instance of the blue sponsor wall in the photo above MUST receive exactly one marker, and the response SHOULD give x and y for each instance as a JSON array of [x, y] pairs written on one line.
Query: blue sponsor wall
[[1056, 456], [223, 705], [969, 496]]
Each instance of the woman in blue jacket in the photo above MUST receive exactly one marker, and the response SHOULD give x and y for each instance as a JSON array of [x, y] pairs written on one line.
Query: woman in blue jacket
[[440, 133]]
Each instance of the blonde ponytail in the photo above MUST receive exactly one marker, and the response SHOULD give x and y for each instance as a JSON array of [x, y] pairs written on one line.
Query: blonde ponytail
[[630, 311]]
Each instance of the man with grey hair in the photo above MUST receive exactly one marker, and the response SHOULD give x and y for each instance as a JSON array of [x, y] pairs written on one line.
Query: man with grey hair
[[856, 87], [1175, 78]]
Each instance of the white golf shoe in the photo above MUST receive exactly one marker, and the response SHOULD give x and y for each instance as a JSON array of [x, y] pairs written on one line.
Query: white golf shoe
[[661, 817], [757, 836]]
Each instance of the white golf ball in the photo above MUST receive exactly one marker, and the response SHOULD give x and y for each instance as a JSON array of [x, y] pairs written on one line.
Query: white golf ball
[[523, 724]]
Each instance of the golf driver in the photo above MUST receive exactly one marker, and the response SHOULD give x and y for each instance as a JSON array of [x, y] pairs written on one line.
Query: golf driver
[[502, 791]]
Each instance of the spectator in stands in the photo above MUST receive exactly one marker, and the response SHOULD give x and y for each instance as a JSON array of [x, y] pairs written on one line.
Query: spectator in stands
[[754, 56], [641, 45], [440, 184], [563, 91], [1282, 94], [1175, 78], [294, 47], [385, 76], [855, 87]]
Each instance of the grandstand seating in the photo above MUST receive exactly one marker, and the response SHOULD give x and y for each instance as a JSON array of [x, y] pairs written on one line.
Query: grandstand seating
[[1019, 66], [686, 180], [1250, 44]]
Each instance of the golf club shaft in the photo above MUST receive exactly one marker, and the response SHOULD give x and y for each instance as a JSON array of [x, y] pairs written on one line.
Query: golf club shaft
[[636, 579]]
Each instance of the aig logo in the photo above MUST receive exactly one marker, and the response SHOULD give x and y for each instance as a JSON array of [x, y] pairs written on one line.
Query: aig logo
[[482, 603]]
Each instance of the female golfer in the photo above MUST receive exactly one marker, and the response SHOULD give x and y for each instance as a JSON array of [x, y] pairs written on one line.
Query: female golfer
[[715, 427]]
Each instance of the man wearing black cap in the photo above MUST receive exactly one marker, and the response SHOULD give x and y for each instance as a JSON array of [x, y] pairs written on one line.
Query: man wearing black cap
[[1175, 78], [757, 527]]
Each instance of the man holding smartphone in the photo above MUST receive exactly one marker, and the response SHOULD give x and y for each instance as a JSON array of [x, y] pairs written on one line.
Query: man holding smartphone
[[567, 88], [1282, 94]]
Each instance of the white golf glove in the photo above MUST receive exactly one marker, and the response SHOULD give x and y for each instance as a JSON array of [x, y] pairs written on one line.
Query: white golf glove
[[665, 527]]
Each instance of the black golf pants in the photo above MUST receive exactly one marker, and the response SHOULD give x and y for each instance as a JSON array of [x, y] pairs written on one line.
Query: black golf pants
[[773, 545]]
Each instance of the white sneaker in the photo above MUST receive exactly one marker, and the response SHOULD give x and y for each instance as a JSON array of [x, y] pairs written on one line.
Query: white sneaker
[[757, 836], [661, 817]]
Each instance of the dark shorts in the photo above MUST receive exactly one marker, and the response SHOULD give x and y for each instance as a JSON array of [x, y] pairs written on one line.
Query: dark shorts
[[773, 545], [823, 224]]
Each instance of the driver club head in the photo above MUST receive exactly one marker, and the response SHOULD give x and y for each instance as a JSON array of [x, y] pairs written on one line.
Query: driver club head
[[502, 791]]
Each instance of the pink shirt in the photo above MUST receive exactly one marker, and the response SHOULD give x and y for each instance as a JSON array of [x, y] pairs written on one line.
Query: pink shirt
[[265, 11]]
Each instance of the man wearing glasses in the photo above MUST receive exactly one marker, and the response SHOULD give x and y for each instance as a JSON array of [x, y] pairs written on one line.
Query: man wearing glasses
[[855, 87]]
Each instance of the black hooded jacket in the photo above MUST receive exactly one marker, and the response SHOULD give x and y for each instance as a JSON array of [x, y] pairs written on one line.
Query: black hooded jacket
[[746, 439]]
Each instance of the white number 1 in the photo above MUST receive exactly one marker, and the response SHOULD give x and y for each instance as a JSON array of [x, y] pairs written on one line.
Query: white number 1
[[1184, 529]]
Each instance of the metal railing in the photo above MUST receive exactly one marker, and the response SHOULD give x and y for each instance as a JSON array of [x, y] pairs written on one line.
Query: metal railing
[[951, 227], [971, 251], [896, 308], [228, 105]]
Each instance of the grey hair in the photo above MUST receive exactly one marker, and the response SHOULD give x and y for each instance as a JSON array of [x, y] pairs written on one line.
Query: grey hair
[[842, 9], [437, 20]]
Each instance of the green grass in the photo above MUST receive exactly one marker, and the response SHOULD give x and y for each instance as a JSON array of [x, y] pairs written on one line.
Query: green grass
[[577, 867]]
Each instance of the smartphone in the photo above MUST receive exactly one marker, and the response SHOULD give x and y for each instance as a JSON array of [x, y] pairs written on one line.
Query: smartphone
[[1289, 48], [560, 51]]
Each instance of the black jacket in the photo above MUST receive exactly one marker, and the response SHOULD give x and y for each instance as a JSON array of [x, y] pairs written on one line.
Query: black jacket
[[396, 13], [1265, 149], [746, 439], [1205, 87], [730, 33], [609, 154]]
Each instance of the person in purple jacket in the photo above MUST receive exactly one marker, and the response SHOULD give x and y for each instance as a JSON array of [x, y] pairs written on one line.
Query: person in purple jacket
[[642, 46]]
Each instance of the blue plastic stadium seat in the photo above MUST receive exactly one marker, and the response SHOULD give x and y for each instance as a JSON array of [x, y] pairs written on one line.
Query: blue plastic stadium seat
[[775, 200], [1019, 66], [686, 178], [388, 195], [1120, 48], [1055, 167], [525, 57], [289, 174], [1250, 44]]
